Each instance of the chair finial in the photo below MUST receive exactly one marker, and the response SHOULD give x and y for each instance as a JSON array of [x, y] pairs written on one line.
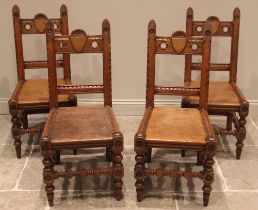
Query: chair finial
[[189, 13], [105, 25], [236, 13], [63, 10], [152, 27], [16, 10]]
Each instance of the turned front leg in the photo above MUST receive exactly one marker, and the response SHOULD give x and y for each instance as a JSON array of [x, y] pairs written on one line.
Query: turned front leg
[[48, 170], [139, 170], [240, 128], [208, 173], [240, 135], [208, 179], [16, 127], [118, 169], [48, 179]]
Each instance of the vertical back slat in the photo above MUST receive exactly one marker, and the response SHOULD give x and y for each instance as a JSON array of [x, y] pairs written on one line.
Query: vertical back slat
[[189, 33], [107, 63], [65, 31], [51, 57], [204, 86], [234, 45], [151, 54], [18, 42]]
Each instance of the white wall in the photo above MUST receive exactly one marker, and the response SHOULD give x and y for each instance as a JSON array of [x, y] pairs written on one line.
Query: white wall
[[129, 20]]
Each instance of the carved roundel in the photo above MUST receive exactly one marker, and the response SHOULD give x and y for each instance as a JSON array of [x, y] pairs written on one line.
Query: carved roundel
[[40, 21], [214, 21], [78, 39], [178, 41]]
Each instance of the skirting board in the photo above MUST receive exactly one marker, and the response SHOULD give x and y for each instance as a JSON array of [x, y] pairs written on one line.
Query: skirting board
[[129, 107]]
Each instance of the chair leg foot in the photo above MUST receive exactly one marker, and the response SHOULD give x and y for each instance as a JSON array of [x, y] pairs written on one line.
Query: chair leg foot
[[238, 153], [118, 189], [16, 134], [18, 150], [48, 178], [241, 135], [139, 191], [208, 179], [50, 194], [206, 197]]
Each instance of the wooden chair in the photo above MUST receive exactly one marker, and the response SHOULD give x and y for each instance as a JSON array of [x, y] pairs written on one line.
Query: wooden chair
[[225, 97], [31, 96], [80, 127], [171, 127]]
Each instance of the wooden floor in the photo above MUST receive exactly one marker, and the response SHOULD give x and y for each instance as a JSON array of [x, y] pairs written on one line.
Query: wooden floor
[[235, 186]]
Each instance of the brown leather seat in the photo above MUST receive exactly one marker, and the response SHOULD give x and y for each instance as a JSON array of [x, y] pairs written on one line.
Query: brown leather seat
[[187, 123], [36, 92], [85, 124], [220, 94]]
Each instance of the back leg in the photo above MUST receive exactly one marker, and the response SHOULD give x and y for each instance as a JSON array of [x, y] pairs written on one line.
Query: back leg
[[229, 122]]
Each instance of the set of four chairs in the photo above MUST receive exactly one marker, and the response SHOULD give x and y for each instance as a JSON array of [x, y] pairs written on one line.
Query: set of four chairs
[[69, 126]]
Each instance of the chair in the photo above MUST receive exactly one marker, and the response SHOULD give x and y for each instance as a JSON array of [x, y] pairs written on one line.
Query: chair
[[80, 127], [31, 96], [225, 97], [171, 127]]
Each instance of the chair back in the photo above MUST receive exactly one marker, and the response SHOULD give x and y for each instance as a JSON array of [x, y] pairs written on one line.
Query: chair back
[[178, 44], [79, 42], [219, 29], [37, 25]]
